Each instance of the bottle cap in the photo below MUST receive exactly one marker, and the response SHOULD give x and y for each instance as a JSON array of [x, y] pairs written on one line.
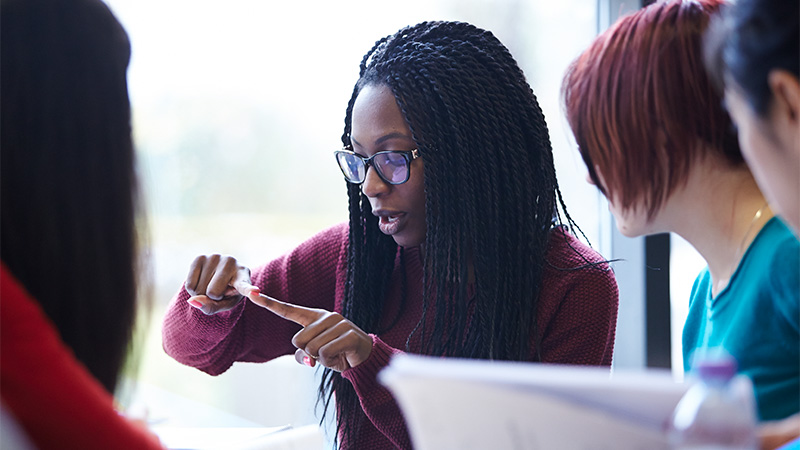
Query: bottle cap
[[714, 364]]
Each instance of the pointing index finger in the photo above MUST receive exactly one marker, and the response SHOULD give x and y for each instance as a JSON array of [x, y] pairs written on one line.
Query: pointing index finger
[[297, 314], [245, 288], [241, 282]]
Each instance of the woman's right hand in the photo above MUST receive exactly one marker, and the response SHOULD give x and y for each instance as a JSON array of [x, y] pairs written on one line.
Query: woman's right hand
[[217, 283]]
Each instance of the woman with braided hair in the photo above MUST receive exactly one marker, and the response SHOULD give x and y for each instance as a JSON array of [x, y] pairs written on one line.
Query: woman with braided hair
[[455, 245]]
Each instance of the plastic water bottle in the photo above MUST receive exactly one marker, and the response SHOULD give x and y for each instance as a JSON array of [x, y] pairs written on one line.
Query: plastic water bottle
[[718, 410]]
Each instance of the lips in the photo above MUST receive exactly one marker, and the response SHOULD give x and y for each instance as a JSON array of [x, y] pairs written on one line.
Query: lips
[[390, 222]]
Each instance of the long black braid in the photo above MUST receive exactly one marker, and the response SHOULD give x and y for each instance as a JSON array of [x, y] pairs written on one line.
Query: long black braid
[[491, 201]]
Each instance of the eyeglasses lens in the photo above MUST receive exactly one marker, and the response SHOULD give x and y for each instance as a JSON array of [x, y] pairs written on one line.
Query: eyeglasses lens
[[392, 166], [352, 167]]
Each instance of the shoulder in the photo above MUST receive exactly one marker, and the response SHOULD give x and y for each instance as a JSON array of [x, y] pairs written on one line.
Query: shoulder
[[328, 242], [781, 245], [701, 287], [565, 251], [702, 279], [320, 253], [571, 264], [18, 304], [779, 255], [25, 327], [336, 234], [775, 255], [45, 404]]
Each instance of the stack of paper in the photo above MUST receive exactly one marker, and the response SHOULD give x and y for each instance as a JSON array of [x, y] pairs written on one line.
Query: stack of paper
[[473, 404]]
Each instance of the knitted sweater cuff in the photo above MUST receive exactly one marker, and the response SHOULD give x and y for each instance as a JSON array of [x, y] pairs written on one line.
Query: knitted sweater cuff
[[366, 372]]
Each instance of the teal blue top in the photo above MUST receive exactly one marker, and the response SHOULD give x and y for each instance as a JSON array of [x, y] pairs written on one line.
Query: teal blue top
[[756, 318]]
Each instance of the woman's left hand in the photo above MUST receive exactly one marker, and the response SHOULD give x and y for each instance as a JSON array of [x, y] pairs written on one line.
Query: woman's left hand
[[327, 337]]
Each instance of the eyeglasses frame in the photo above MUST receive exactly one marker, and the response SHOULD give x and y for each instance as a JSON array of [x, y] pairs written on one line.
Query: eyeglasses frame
[[408, 155]]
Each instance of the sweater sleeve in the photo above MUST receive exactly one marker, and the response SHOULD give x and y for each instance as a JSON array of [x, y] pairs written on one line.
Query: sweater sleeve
[[376, 401], [305, 276], [578, 306]]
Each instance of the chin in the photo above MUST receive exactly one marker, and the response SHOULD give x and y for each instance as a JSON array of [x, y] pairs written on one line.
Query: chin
[[628, 231], [409, 241]]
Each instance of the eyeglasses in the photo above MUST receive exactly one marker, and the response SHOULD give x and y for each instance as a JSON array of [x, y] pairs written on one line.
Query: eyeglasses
[[394, 167]]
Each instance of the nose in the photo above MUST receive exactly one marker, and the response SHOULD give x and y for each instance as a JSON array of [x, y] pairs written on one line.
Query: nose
[[373, 185]]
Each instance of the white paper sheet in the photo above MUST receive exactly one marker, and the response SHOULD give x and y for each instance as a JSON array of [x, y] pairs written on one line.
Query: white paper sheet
[[469, 404]]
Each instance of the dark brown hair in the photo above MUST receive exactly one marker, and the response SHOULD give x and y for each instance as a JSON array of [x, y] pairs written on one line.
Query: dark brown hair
[[749, 40], [68, 185]]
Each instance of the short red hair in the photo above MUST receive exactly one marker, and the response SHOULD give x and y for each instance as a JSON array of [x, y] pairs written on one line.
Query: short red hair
[[639, 102]]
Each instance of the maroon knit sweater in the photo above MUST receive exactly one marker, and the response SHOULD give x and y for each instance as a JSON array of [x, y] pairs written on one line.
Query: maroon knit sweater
[[576, 319]]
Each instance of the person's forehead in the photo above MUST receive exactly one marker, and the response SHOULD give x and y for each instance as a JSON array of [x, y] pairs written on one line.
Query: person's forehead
[[377, 117]]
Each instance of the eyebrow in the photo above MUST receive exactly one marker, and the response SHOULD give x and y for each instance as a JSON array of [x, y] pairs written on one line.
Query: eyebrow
[[380, 140]]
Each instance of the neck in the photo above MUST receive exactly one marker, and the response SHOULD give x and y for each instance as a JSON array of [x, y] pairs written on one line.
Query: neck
[[720, 212]]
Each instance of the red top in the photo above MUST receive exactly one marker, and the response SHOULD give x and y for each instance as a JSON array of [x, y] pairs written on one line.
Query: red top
[[576, 319], [53, 397]]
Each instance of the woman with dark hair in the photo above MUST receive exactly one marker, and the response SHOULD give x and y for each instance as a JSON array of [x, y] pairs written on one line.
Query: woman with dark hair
[[67, 237], [658, 143], [455, 244], [755, 48]]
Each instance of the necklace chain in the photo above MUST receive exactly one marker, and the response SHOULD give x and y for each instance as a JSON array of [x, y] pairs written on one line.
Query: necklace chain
[[740, 249]]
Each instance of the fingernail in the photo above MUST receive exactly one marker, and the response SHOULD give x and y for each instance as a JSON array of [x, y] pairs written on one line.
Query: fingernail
[[307, 361], [196, 304]]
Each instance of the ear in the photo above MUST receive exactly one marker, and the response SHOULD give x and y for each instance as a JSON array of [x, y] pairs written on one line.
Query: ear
[[600, 178], [785, 108]]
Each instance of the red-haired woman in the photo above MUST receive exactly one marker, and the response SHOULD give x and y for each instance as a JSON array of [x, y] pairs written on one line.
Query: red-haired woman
[[658, 143]]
